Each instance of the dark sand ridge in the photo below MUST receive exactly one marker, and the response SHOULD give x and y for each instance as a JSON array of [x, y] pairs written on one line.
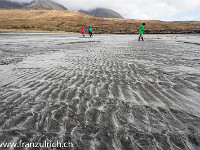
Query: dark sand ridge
[[107, 92]]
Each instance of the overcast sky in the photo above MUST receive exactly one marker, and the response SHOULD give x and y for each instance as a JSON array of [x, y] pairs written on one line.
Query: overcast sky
[[168, 10]]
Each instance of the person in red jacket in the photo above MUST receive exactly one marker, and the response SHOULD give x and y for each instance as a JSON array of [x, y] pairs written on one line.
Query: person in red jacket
[[83, 32]]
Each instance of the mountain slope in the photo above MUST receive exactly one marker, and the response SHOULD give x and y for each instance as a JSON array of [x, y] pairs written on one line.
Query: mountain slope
[[103, 12], [45, 5], [73, 21]]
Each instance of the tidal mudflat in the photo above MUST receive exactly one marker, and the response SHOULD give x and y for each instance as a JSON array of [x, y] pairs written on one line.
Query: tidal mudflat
[[109, 92]]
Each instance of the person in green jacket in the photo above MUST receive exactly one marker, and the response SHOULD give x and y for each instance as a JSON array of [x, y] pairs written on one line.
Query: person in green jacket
[[142, 29]]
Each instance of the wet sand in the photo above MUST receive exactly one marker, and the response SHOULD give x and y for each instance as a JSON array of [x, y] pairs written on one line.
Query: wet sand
[[109, 92]]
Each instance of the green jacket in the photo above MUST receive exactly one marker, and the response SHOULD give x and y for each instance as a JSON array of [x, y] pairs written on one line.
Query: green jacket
[[142, 29]]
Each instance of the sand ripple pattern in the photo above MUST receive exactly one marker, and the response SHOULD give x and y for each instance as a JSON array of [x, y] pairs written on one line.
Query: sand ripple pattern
[[106, 94]]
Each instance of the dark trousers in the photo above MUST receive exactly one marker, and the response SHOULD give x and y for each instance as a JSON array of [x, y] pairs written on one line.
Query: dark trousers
[[90, 33]]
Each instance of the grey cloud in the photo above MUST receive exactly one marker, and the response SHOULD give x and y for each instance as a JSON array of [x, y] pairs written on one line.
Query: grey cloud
[[21, 1]]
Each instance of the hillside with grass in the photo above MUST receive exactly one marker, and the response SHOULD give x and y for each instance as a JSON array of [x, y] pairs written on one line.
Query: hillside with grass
[[73, 21]]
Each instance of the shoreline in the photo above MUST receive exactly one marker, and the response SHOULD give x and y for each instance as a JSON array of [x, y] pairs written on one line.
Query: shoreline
[[134, 33]]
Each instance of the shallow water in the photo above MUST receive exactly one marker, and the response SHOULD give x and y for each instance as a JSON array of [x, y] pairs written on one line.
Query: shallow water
[[109, 92]]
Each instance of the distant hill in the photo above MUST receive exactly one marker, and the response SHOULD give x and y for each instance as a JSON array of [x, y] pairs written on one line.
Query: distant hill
[[5, 4], [73, 21], [35, 5], [45, 5], [103, 12]]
